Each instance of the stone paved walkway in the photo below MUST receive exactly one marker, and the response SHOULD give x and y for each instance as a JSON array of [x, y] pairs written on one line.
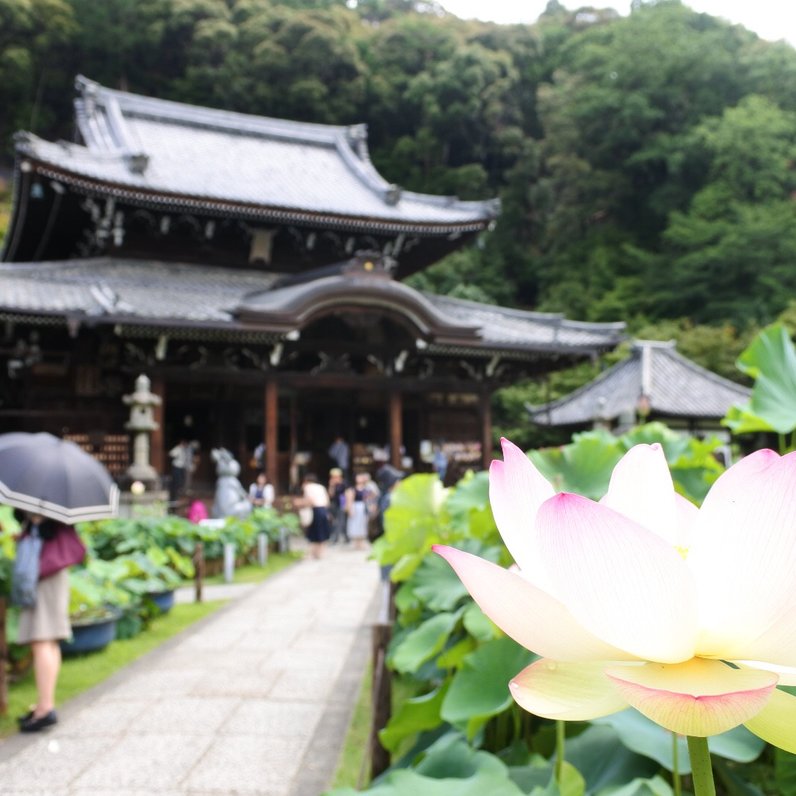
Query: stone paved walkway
[[253, 700]]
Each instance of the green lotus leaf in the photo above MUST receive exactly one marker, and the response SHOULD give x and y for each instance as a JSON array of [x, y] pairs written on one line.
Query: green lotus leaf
[[584, 466], [645, 737], [771, 361], [604, 761], [414, 715], [480, 688], [422, 643]]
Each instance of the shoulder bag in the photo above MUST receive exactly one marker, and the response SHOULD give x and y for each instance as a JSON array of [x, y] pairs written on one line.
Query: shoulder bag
[[64, 550]]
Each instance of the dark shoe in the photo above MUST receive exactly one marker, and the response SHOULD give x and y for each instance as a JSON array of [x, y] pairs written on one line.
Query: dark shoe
[[30, 724], [22, 719]]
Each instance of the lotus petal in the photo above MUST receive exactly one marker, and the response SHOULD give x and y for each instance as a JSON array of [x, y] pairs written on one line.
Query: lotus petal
[[744, 557], [567, 691], [687, 514], [524, 612], [641, 488], [516, 490], [786, 674], [621, 582], [699, 697], [776, 722]]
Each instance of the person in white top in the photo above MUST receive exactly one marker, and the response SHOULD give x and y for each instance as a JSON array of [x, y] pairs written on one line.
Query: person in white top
[[261, 493], [315, 498]]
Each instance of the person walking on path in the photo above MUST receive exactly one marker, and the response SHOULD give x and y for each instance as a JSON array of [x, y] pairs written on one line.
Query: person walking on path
[[315, 497]]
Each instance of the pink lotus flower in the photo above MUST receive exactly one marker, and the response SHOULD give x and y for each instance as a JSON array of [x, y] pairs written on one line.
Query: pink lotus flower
[[643, 600]]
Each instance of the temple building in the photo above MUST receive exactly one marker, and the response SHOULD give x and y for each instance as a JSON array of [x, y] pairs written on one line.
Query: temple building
[[252, 268], [655, 382]]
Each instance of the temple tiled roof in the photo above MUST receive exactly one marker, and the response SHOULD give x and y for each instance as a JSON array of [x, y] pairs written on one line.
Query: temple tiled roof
[[221, 300], [675, 387], [146, 149], [509, 327]]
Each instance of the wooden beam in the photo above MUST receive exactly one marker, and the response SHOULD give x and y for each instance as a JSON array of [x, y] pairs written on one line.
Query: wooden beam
[[396, 428], [485, 407], [272, 432]]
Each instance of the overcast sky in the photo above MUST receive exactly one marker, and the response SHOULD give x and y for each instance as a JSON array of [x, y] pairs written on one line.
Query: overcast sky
[[770, 19]]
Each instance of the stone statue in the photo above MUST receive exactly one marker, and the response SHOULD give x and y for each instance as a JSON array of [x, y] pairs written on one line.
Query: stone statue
[[231, 499]]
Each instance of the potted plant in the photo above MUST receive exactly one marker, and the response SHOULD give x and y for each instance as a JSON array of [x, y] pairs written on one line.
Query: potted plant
[[152, 576], [96, 604]]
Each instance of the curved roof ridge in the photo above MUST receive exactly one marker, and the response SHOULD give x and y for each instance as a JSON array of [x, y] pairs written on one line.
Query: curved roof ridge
[[359, 281], [200, 116], [665, 344]]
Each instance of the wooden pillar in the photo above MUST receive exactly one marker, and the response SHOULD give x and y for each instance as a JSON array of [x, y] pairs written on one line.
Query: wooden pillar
[[292, 469], [396, 428], [272, 433], [485, 407], [157, 442]]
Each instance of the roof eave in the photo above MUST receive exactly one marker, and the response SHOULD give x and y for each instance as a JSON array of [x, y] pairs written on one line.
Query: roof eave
[[266, 213]]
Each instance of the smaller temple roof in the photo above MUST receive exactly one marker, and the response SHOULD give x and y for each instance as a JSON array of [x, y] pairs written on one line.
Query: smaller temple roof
[[218, 300], [150, 150], [674, 386]]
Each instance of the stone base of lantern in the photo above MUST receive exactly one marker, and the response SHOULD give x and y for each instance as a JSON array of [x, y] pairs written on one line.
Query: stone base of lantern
[[153, 503]]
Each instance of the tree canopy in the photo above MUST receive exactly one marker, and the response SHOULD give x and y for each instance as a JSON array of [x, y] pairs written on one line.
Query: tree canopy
[[646, 164]]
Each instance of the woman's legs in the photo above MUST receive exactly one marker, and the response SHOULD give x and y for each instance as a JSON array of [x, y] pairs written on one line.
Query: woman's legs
[[316, 549], [46, 665]]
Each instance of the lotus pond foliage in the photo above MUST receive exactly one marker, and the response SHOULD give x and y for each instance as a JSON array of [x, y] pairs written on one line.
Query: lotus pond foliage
[[130, 561], [462, 732]]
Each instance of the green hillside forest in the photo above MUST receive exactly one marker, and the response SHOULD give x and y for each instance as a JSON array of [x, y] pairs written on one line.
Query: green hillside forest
[[646, 164]]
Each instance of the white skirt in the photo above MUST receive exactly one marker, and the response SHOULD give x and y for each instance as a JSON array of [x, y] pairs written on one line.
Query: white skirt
[[357, 527]]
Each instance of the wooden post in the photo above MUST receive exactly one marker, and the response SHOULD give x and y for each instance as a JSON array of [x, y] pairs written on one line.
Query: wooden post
[[199, 568], [381, 695], [157, 446], [272, 433], [396, 429], [381, 690], [485, 406], [3, 659]]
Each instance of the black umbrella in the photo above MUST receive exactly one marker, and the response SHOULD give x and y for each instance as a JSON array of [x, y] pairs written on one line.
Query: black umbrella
[[55, 478]]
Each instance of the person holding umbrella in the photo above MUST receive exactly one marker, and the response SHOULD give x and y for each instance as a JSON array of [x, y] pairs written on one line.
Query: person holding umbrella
[[44, 623], [55, 484]]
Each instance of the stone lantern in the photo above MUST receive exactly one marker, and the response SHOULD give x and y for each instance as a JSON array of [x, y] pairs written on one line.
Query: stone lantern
[[142, 423]]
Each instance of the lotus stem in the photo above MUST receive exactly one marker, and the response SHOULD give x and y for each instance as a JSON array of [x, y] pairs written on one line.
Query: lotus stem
[[560, 735], [701, 769], [676, 765]]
